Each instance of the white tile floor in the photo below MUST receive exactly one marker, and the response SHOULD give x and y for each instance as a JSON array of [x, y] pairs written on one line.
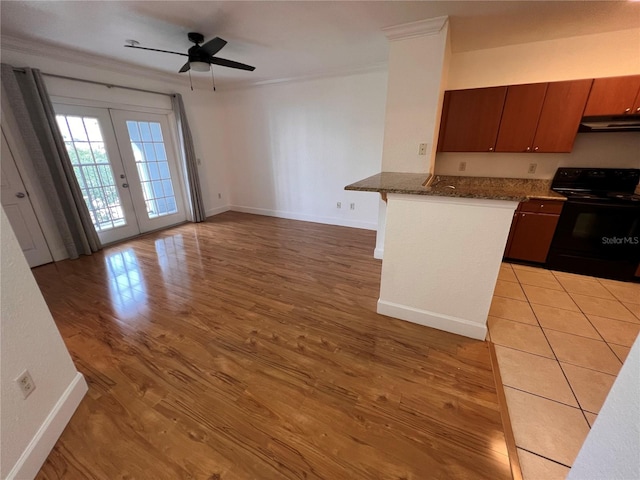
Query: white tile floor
[[560, 340]]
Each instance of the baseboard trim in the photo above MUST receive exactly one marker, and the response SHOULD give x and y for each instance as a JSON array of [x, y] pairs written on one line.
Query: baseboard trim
[[217, 211], [46, 437], [378, 253], [459, 326], [306, 218]]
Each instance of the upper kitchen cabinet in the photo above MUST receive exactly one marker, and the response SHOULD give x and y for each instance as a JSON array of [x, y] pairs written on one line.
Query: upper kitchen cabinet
[[614, 96], [542, 117], [520, 117], [560, 118], [470, 119]]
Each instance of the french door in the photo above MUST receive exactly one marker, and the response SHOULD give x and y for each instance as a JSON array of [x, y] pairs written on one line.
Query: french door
[[125, 163]]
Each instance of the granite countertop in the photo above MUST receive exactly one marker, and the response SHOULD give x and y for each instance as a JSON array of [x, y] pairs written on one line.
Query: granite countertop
[[514, 189]]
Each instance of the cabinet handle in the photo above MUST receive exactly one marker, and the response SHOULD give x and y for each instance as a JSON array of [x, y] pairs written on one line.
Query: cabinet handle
[[491, 149], [528, 149], [627, 110], [638, 109], [535, 149]]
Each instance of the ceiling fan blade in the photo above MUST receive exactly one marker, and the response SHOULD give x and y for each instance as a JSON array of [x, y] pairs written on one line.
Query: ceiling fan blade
[[156, 50], [184, 68], [231, 64], [213, 46]]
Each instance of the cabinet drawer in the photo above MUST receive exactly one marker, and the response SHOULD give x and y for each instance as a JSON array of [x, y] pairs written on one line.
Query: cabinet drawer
[[541, 206]]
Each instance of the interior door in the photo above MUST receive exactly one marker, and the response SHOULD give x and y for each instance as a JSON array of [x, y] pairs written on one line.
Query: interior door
[[17, 206], [149, 156], [93, 149]]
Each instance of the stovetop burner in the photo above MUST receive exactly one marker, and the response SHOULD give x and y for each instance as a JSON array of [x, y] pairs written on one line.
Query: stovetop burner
[[606, 185]]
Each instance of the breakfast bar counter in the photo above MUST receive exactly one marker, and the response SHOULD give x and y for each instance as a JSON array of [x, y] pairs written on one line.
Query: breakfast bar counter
[[443, 245], [514, 189]]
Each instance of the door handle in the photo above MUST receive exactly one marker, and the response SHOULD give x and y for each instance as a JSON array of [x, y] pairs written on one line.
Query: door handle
[[125, 185], [20, 195]]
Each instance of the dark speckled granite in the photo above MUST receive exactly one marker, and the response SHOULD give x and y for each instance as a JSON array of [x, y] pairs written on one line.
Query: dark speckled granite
[[514, 189]]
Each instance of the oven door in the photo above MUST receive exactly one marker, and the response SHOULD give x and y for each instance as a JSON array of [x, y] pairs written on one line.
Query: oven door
[[599, 239]]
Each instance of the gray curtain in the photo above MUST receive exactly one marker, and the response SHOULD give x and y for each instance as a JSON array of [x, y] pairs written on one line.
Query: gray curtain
[[191, 162], [31, 106]]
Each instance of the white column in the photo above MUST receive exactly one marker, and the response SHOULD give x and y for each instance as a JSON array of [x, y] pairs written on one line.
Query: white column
[[418, 64]]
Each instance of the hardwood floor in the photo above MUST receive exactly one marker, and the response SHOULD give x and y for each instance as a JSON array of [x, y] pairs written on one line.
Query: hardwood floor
[[248, 347]]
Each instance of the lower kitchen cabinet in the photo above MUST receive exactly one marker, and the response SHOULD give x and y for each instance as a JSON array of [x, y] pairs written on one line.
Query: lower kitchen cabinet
[[532, 229]]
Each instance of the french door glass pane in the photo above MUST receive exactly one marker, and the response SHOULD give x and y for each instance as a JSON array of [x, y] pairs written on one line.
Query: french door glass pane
[[85, 145], [153, 169]]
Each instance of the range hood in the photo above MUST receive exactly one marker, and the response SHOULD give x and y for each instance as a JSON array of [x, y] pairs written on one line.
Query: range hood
[[615, 123]]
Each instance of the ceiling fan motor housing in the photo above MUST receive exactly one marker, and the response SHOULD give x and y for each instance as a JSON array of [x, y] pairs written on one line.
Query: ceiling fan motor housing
[[199, 54], [195, 37]]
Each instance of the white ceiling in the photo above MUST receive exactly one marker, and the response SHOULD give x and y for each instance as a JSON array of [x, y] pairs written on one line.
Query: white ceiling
[[289, 39]]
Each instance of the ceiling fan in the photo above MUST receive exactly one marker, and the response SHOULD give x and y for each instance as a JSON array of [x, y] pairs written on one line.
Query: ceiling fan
[[201, 57]]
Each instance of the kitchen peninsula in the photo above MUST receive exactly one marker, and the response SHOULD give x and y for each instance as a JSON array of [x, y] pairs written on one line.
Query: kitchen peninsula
[[444, 244]]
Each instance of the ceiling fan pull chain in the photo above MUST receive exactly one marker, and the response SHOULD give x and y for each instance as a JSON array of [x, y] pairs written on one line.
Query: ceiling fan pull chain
[[190, 81], [213, 80]]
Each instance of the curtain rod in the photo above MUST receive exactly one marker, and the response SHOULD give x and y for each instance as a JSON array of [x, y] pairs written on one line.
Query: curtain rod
[[108, 85]]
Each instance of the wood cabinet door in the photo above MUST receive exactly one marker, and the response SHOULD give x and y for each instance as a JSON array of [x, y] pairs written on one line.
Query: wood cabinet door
[[520, 116], [613, 96], [636, 105], [471, 120], [532, 236], [560, 118]]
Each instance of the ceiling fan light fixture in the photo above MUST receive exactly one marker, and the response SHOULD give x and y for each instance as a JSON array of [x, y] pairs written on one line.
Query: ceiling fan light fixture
[[199, 66]]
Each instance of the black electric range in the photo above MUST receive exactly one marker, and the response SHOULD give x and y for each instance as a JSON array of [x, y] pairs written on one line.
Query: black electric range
[[598, 232]]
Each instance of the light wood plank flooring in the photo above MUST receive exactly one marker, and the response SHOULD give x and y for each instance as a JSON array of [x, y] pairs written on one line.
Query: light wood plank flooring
[[248, 347]]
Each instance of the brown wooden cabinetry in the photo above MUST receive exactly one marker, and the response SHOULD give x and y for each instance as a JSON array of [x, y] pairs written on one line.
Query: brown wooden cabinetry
[[520, 117], [470, 119], [537, 117], [560, 118], [542, 117], [532, 229], [614, 96]]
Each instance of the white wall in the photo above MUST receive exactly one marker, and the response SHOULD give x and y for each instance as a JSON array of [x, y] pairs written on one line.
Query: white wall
[[609, 149], [590, 56], [30, 340], [292, 147], [418, 62], [608, 54], [612, 448]]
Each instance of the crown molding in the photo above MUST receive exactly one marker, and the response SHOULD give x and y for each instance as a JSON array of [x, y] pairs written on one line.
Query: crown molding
[[345, 72], [76, 57], [431, 26]]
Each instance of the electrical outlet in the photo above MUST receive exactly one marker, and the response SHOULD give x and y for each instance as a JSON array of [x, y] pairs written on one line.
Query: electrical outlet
[[462, 166], [352, 206], [532, 167], [339, 205], [26, 383], [422, 150]]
